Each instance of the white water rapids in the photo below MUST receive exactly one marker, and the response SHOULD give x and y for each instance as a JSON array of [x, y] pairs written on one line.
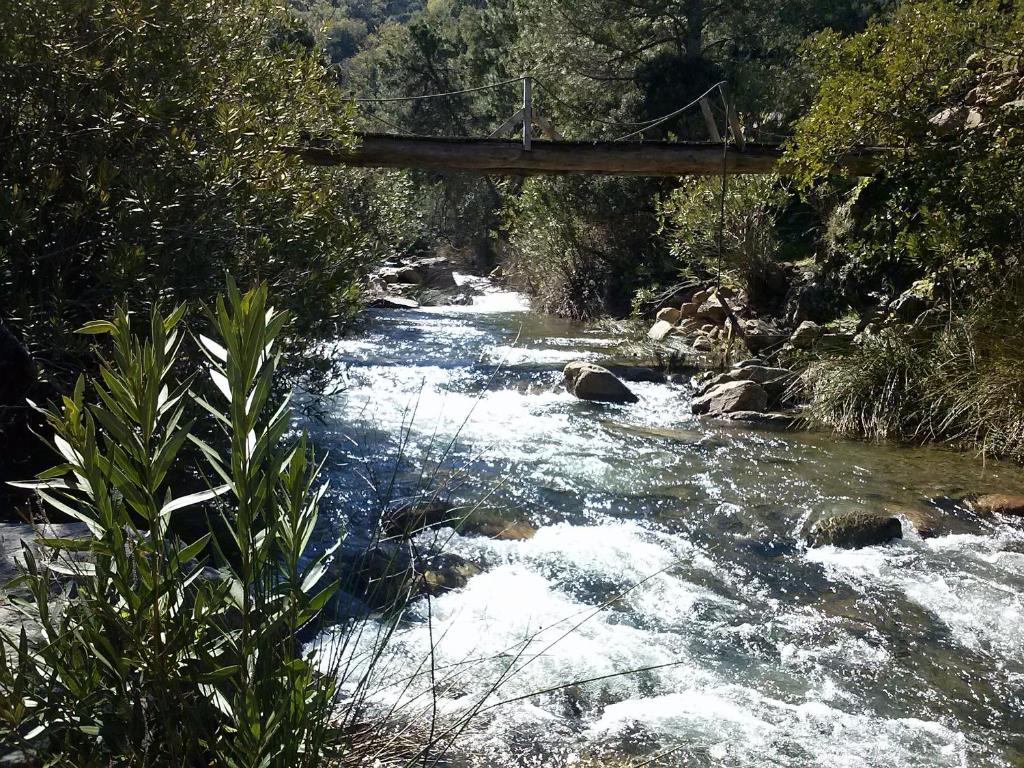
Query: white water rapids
[[669, 545]]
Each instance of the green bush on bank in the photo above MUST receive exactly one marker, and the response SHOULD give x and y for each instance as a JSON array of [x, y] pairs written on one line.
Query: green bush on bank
[[149, 660], [944, 82]]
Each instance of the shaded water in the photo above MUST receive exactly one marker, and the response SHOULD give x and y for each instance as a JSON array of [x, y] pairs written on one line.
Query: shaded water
[[671, 545]]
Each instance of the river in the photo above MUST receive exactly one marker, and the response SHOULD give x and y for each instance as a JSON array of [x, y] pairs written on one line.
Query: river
[[671, 545]]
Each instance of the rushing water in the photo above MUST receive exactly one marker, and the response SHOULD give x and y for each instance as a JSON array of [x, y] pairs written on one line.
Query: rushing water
[[671, 545]]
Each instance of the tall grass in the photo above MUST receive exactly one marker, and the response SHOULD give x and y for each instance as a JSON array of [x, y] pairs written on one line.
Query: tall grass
[[962, 384], [156, 658]]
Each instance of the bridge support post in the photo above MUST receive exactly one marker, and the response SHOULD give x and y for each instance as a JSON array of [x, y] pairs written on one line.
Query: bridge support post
[[527, 112]]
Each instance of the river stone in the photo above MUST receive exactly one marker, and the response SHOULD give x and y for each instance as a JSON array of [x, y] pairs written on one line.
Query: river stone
[[999, 503], [805, 335], [394, 302], [413, 518], [732, 396], [592, 382], [660, 330], [712, 310], [669, 315], [689, 309], [855, 530], [760, 419], [446, 572]]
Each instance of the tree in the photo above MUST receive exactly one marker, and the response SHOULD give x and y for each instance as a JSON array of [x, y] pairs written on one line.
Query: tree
[[141, 160]]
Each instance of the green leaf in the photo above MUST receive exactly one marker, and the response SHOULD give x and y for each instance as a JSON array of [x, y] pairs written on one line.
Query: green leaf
[[96, 327]]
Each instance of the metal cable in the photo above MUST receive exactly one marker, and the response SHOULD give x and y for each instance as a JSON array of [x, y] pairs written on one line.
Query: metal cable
[[670, 115], [398, 128]]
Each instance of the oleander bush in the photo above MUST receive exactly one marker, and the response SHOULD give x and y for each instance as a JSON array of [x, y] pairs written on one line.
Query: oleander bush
[[163, 651]]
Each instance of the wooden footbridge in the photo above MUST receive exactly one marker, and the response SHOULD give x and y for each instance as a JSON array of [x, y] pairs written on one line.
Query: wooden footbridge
[[727, 152], [502, 157]]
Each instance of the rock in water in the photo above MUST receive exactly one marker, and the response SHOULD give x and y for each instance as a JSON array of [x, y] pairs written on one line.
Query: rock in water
[[732, 396], [394, 302], [660, 330], [669, 315], [999, 503], [855, 530], [592, 382]]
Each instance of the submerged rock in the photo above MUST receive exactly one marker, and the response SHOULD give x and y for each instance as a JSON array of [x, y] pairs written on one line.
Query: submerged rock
[[761, 419], [999, 504], [443, 573], [466, 520], [855, 530], [592, 382], [731, 396]]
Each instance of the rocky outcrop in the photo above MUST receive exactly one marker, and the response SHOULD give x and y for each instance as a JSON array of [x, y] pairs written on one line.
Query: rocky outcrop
[[592, 382], [855, 530], [731, 396]]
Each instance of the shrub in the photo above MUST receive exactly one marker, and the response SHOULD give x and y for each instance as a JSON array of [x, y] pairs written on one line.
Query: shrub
[[692, 220], [151, 660]]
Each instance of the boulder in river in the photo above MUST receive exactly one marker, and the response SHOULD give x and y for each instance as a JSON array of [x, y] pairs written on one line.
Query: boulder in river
[[592, 382], [854, 530], [445, 572], [467, 520], [769, 419], [999, 504], [731, 396], [669, 315], [660, 330]]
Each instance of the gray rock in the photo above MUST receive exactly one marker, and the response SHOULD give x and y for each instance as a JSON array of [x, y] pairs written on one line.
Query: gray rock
[[759, 419], [394, 302], [713, 311], [805, 335], [592, 382], [908, 306], [855, 530], [731, 396], [660, 330]]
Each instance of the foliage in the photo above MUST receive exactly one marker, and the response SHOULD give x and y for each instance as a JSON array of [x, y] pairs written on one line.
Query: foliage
[[141, 161], [692, 219], [151, 661], [583, 246], [942, 81]]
